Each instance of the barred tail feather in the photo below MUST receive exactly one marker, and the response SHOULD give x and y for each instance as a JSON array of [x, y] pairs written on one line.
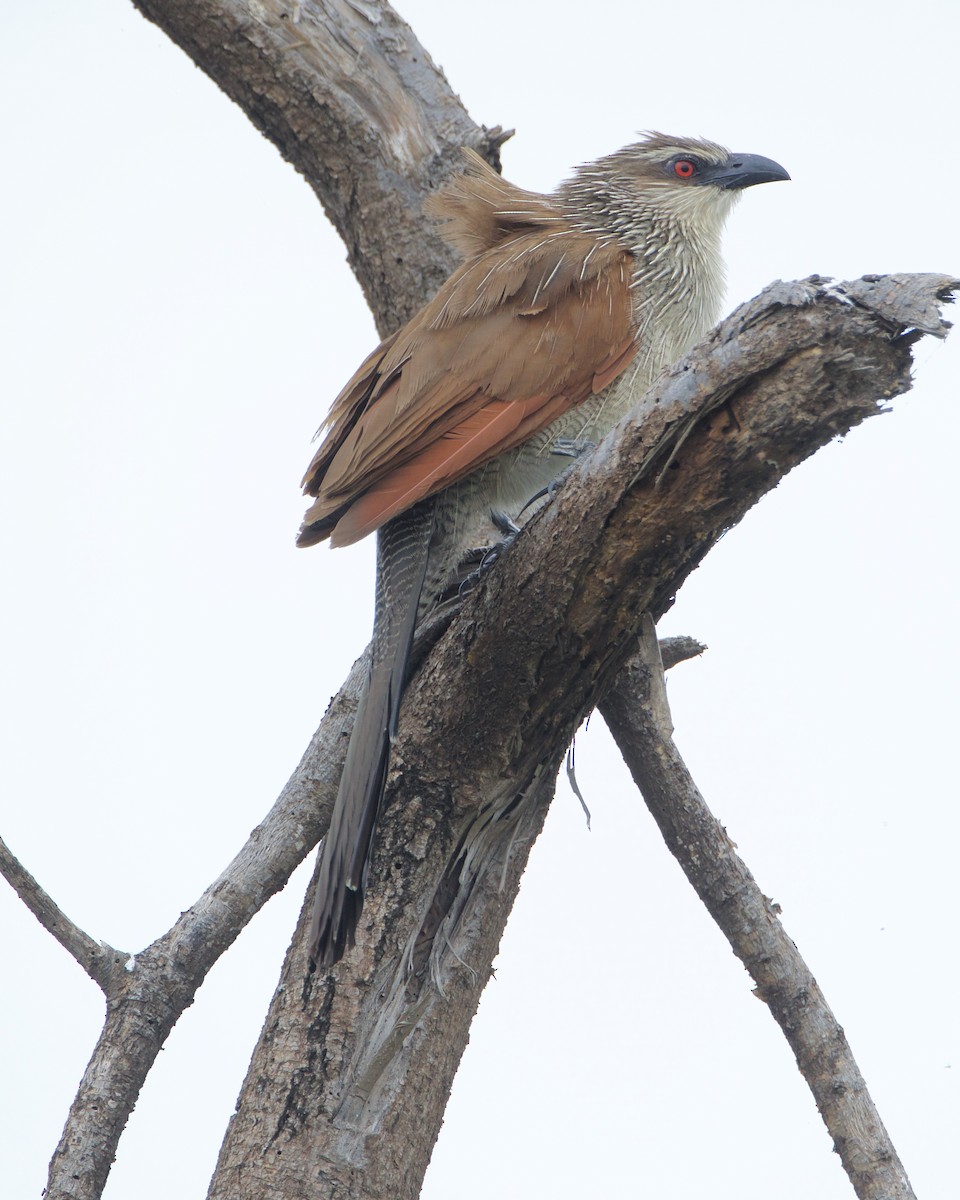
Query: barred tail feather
[[403, 548]]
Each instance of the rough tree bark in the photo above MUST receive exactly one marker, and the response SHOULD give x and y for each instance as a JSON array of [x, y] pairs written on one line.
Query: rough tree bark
[[347, 1086], [348, 95]]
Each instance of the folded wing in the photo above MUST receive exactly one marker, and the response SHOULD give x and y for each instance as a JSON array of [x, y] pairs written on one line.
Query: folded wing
[[536, 320]]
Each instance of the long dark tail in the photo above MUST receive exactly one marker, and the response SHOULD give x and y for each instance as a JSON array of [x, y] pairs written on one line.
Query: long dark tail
[[403, 549]]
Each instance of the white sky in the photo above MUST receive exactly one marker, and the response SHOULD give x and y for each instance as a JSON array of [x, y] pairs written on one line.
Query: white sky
[[176, 317]]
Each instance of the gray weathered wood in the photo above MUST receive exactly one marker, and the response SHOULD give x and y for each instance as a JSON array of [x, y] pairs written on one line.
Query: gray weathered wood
[[751, 924], [349, 1082], [350, 97]]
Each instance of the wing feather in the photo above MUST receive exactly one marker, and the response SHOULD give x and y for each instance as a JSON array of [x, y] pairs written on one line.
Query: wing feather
[[538, 319], [478, 438]]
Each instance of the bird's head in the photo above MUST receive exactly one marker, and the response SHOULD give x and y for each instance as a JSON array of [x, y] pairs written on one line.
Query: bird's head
[[668, 180]]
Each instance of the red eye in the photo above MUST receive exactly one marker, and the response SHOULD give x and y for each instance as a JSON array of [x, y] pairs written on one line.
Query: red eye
[[684, 168]]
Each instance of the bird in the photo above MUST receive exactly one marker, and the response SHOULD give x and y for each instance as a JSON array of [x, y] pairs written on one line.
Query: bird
[[564, 310]]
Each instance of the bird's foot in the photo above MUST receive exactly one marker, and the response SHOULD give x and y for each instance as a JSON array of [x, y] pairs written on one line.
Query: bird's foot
[[505, 523], [566, 448], [510, 529]]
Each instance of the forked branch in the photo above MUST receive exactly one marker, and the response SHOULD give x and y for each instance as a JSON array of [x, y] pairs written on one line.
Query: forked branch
[[100, 961], [547, 635]]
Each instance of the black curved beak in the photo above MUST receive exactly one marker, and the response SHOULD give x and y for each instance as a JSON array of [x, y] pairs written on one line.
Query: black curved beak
[[743, 171]]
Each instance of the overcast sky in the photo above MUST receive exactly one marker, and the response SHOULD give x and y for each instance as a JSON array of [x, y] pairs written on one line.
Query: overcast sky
[[177, 316]]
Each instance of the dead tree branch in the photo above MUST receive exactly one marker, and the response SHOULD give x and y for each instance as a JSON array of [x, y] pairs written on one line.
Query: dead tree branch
[[349, 96], [352, 1074], [100, 961], [146, 999], [334, 1068], [751, 924]]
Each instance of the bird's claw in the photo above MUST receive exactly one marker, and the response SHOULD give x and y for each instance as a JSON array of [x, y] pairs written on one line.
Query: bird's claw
[[505, 523], [566, 448], [510, 529]]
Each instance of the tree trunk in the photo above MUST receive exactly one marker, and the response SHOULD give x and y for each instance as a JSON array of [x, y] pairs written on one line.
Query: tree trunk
[[346, 1089]]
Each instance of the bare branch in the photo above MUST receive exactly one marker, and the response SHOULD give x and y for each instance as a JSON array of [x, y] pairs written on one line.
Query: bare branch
[[100, 961], [146, 1001], [751, 924], [349, 96], [674, 650]]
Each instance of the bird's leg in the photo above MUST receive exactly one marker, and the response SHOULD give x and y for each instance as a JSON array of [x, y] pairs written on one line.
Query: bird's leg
[[505, 525], [572, 447], [566, 448]]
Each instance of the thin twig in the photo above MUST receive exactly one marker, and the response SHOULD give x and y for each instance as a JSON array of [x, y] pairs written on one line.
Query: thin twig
[[751, 924], [99, 960]]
